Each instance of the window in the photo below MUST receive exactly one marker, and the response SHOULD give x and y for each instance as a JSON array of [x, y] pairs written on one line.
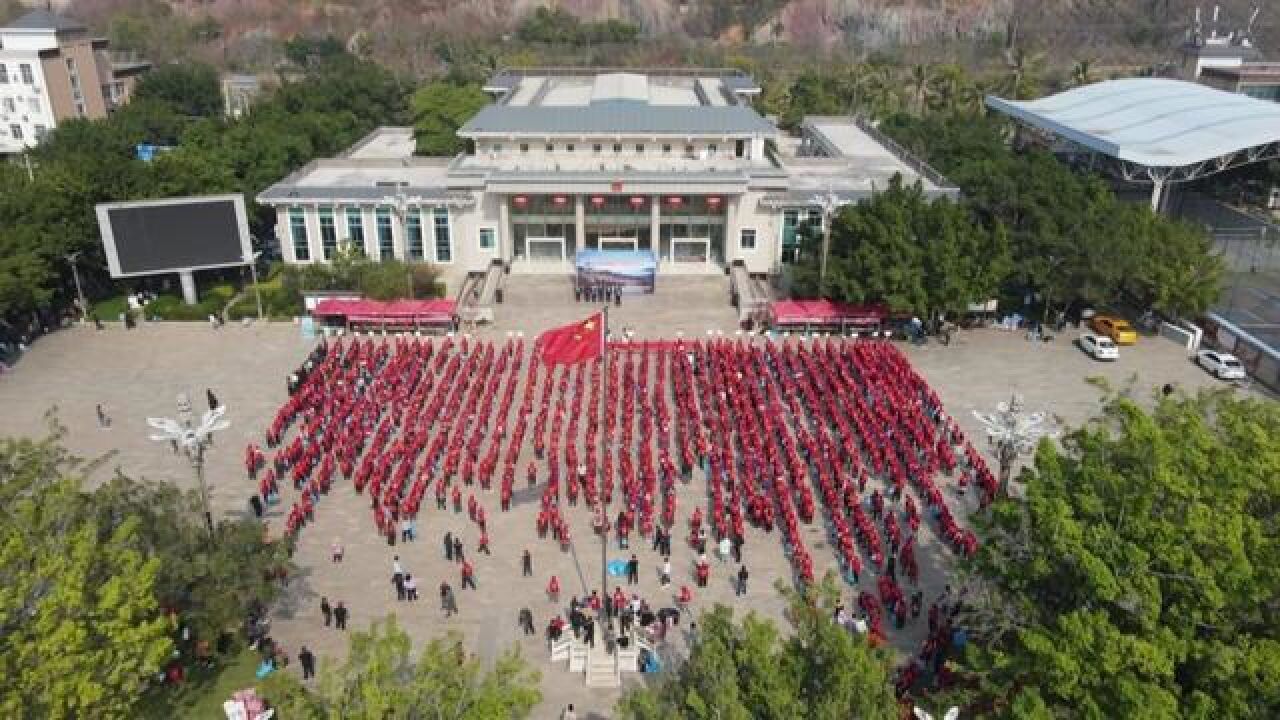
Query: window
[[666, 149], [34, 104], [328, 234], [486, 238], [27, 77], [639, 148], [71, 64], [814, 218], [444, 247], [747, 239], [9, 106], [617, 147], [80, 109], [596, 148], [16, 131], [711, 149], [4, 74], [524, 147], [386, 243], [41, 132], [497, 147], [355, 229], [413, 232], [568, 148], [298, 233], [551, 147], [688, 149]]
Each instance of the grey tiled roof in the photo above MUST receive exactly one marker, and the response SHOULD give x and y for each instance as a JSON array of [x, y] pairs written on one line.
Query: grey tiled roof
[[45, 20], [617, 116]]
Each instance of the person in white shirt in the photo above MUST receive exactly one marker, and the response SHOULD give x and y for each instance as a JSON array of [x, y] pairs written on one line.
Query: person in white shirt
[[726, 546], [666, 571], [860, 624]]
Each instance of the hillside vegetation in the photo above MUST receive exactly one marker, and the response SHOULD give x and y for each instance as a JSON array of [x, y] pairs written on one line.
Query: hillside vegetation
[[423, 37]]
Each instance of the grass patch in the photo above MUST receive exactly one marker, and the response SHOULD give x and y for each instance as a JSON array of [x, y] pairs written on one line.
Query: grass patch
[[205, 689]]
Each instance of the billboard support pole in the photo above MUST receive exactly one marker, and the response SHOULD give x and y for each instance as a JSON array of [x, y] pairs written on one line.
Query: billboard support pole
[[189, 295]]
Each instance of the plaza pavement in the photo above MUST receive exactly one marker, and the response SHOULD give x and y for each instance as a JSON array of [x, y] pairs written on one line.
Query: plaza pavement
[[138, 373]]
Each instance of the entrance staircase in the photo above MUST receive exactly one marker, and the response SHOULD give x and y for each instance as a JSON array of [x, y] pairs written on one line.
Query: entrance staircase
[[600, 668]]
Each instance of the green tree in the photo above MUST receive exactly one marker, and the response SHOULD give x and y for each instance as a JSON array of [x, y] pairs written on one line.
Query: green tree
[[380, 681], [747, 670], [81, 631], [903, 250], [1140, 577], [187, 88], [439, 109]]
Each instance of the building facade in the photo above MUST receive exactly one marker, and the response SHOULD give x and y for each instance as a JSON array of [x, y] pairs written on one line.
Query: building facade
[[52, 70], [674, 162]]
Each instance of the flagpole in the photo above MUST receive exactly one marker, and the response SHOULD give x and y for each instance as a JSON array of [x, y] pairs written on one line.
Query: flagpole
[[604, 516]]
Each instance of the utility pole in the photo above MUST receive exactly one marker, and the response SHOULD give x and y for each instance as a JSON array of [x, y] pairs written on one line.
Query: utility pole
[[75, 273]]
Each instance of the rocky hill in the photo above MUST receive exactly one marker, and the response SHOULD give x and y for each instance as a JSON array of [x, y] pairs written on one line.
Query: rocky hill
[[396, 29]]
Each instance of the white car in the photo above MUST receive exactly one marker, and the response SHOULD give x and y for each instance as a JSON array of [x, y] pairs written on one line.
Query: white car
[[1099, 347], [1224, 366]]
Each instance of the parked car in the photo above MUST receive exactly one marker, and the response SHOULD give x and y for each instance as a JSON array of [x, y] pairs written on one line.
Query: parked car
[[1099, 347], [1223, 366], [1118, 329]]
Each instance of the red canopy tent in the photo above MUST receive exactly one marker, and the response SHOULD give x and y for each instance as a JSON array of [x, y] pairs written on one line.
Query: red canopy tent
[[825, 312], [438, 312]]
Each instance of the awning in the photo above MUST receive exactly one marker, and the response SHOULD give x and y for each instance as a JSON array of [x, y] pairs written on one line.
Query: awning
[[825, 312], [439, 310]]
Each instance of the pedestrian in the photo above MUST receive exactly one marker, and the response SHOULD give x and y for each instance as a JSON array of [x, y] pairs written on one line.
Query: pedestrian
[[457, 549], [742, 580], [737, 548], [526, 621], [402, 592], [917, 599], [468, 575], [213, 399], [335, 550], [406, 530], [448, 546], [633, 571], [104, 420], [410, 587], [326, 610], [569, 714], [891, 569], [589, 633], [340, 616], [666, 572], [308, 662], [484, 543], [526, 563], [445, 593], [397, 570]]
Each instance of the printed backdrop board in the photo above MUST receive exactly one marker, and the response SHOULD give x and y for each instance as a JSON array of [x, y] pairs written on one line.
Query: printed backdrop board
[[634, 270]]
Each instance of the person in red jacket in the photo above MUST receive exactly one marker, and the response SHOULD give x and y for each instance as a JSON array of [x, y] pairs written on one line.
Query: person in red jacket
[[468, 575]]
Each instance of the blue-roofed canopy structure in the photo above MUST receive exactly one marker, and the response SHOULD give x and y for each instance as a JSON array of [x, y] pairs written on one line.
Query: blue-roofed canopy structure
[[1154, 130]]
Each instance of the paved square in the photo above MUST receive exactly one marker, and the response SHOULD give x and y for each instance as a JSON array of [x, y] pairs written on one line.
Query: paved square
[[138, 373]]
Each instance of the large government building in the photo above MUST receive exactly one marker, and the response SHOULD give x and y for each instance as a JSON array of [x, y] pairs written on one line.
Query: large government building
[[676, 162]]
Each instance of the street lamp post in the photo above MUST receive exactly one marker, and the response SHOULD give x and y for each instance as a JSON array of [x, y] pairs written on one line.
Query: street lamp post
[[253, 273], [1013, 431], [75, 274], [193, 439], [829, 202]]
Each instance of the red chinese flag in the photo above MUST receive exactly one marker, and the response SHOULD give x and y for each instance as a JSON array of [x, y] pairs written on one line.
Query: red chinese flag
[[573, 343]]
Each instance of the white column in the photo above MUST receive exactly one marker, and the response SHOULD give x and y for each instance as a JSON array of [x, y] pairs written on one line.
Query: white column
[[1157, 195], [399, 233], [731, 249], [188, 280], [655, 225], [370, 220], [506, 238], [579, 222], [315, 244]]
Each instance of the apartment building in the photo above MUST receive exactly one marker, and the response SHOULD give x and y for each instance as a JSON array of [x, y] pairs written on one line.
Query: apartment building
[[51, 70]]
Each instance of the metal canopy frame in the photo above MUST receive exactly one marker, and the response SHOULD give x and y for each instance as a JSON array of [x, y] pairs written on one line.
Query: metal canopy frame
[[1157, 176]]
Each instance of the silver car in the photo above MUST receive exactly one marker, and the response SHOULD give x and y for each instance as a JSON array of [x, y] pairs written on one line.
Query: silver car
[[1223, 366]]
